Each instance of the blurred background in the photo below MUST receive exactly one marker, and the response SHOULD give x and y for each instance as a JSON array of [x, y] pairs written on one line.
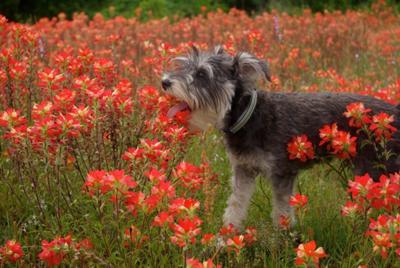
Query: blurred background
[[32, 10]]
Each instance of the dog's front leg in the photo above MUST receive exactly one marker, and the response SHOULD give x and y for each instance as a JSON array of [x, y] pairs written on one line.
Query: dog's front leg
[[282, 190], [243, 183]]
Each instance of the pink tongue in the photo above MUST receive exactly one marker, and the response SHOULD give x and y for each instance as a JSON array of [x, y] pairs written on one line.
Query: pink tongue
[[177, 108]]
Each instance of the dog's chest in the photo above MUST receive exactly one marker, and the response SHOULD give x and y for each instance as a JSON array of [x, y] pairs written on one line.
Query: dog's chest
[[260, 161]]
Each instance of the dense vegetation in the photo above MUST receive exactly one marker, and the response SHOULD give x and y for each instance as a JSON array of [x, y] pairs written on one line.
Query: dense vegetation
[[27, 10], [93, 172]]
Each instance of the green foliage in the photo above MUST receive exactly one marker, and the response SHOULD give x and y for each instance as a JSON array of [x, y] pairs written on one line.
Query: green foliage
[[146, 9], [27, 10]]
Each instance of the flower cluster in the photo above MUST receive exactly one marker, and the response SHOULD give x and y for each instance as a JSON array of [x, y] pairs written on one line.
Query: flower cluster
[[382, 198], [340, 143], [195, 263], [379, 124], [308, 255], [78, 95], [298, 201], [11, 252], [385, 234], [234, 241], [300, 148], [381, 195], [55, 251]]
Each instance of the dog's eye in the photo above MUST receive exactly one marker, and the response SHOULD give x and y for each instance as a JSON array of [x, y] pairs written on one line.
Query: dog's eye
[[201, 74]]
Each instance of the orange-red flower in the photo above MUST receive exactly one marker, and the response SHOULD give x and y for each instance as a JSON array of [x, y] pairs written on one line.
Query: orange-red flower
[[340, 143], [308, 255], [54, 252], [300, 148], [163, 218], [11, 118], [327, 133], [236, 243], [208, 239], [357, 114], [185, 231], [195, 263], [11, 252], [298, 201], [344, 145], [350, 209], [381, 126]]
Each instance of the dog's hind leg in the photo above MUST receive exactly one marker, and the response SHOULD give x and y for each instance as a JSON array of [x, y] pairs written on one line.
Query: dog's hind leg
[[282, 190], [243, 184]]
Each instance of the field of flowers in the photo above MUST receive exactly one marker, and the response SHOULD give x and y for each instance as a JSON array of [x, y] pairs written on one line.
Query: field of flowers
[[93, 172]]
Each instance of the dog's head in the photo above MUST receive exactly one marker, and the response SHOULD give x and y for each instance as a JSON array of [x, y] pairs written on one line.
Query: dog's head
[[206, 80]]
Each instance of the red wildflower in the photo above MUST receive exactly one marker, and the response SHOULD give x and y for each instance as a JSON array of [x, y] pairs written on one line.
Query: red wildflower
[[309, 255], [85, 244], [350, 209], [208, 239], [343, 145], [298, 201], [50, 79], [361, 186], [151, 202], [250, 235], [41, 110], [155, 176], [227, 231], [385, 233], [17, 134], [284, 222], [236, 243], [54, 252], [381, 126], [162, 218], [132, 154], [180, 205], [164, 189], [300, 148], [134, 200], [11, 252], [149, 98], [65, 99], [386, 193], [185, 231], [339, 142], [194, 263], [11, 118], [327, 134], [107, 181], [357, 114], [189, 175], [154, 150], [175, 134]]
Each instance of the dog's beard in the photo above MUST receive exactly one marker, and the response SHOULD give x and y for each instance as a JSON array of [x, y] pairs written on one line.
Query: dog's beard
[[205, 111]]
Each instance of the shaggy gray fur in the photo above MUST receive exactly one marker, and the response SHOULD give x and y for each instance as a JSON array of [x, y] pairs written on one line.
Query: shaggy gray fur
[[217, 85]]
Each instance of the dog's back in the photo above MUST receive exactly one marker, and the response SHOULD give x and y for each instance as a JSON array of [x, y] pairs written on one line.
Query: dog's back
[[305, 113]]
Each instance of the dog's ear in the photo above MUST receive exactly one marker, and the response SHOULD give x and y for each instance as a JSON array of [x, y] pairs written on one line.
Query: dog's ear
[[249, 68], [219, 50], [195, 51]]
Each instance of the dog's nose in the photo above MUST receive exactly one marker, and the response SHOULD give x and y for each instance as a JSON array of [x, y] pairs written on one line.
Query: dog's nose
[[165, 83]]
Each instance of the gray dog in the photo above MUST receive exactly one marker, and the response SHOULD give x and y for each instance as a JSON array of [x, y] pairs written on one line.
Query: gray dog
[[220, 90]]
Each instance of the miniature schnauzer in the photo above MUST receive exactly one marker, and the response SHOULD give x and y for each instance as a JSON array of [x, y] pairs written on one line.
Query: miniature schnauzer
[[220, 90]]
